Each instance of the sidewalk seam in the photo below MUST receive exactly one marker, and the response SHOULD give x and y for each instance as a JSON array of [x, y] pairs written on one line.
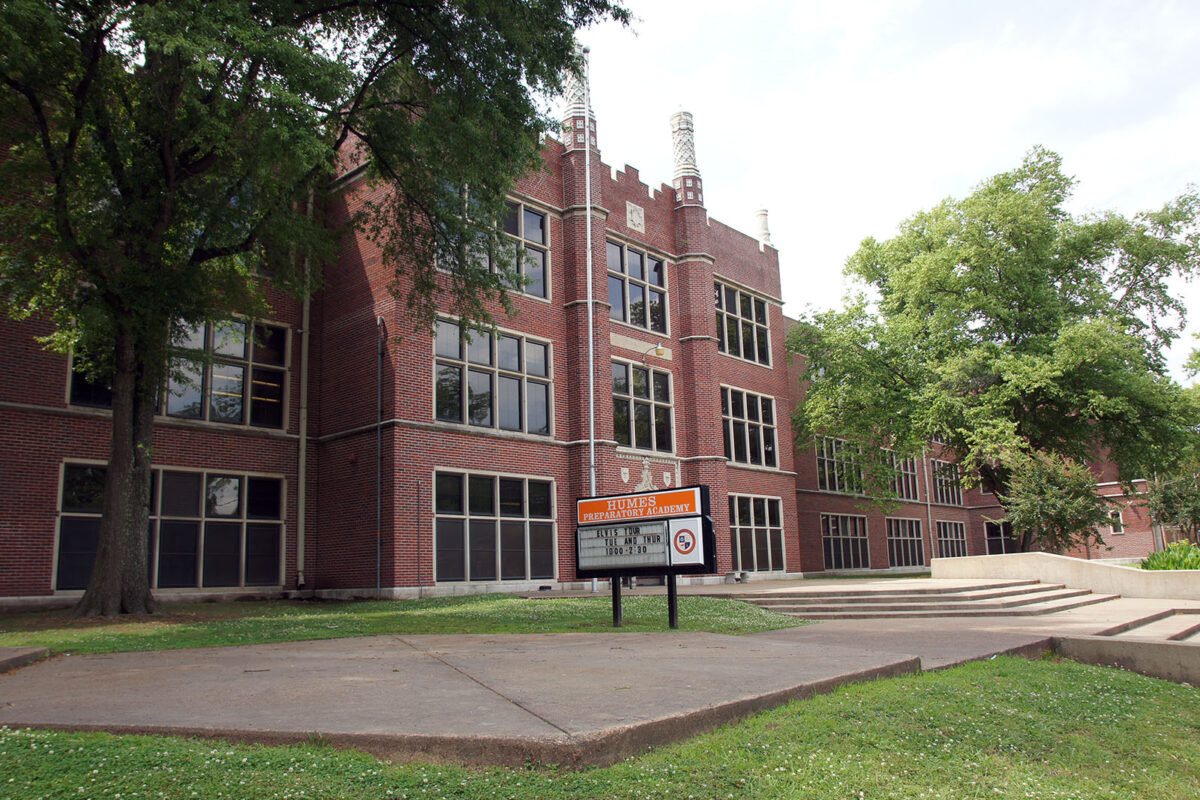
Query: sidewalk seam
[[499, 694]]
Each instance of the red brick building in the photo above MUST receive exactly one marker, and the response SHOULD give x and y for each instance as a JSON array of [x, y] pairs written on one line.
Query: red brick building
[[337, 449]]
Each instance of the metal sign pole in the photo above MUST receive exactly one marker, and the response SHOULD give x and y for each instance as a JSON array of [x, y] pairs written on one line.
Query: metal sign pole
[[615, 581], [672, 602]]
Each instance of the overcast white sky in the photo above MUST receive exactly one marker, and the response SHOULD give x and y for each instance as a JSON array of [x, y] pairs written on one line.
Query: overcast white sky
[[845, 117]]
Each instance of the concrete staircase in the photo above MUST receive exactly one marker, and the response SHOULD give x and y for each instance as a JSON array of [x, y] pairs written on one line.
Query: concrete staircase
[[998, 599], [1169, 625]]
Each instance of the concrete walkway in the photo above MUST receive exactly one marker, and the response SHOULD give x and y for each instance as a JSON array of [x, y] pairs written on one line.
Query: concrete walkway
[[573, 699]]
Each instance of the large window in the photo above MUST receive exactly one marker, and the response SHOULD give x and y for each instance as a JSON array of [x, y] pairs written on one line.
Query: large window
[[951, 539], [641, 407], [742, 325], [838, 466], [532, 234], [749, 421], [1000, 538], [492, 381], [756, 533], [491, 528], [207, 529], [637, 287], [947, 485], [241, 380], [845, 541], [905, 547], [904, 484]]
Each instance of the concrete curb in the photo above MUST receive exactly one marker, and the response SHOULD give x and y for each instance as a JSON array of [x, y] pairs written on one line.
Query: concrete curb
[[15, 657], [599, 748], [1172, 661]]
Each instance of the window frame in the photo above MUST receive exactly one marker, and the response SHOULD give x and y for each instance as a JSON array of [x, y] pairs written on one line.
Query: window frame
[[755, 528], [632, 400], [495, 372], [955, 542], [752, 428], [760, 330], [856, 547], [906, 540], [904, 482], [947, 482], [518, 208], [839, 466], [645, 284]]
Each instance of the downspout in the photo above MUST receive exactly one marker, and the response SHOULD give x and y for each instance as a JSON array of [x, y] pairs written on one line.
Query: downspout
[[928, 501], [591, 308], [302, 456], [379, 464]]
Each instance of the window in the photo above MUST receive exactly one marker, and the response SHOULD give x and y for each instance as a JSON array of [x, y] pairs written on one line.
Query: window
[[637, 288], [1115, 524], [243, 383], [206, 529], [845, 541], [749, 421], [756, 533], [838, 467], [742, 325], [531, 233], [947, 488], [490, 528], [491, 381], [905, 547], [904, 484], [951, 539], [87, 392], [641, 407], [1000, 538]]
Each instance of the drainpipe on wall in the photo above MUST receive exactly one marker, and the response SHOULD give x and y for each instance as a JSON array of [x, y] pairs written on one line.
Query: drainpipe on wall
[[302, 456], [928, 502], [379, 464], [591, 307]]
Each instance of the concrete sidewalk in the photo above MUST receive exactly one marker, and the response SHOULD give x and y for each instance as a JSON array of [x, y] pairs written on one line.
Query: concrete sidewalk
[[572, 699]]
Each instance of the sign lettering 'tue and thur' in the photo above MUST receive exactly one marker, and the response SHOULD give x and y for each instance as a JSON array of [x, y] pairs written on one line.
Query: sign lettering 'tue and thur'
[[645, 533]]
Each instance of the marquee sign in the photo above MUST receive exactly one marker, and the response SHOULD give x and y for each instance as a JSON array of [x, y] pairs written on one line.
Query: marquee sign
[[648, 533]]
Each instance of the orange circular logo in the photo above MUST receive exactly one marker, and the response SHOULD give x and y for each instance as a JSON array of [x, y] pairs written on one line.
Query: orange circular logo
[[685, 541]]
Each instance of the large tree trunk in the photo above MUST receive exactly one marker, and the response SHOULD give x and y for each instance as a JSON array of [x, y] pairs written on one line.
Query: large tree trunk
[[120, 583]]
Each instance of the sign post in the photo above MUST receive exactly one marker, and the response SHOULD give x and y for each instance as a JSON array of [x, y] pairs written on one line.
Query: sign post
[[668, 532]]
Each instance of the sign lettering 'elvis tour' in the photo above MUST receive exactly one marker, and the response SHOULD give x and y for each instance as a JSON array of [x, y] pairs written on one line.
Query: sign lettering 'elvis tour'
[[649, 533]]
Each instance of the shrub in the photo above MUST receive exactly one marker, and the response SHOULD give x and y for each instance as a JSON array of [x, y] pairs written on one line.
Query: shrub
[[1178, 555]]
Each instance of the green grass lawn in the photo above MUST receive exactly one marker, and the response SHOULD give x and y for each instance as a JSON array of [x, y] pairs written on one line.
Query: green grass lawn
[[1005, 729], [208, 624]]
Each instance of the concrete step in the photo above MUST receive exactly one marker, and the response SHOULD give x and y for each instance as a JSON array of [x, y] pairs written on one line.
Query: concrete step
[[907, 591], [1174, 626], [815, 598], [928, 605], [980, 610]]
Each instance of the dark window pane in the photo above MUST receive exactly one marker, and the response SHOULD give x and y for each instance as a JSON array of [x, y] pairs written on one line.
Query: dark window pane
[[266, 398], [262, 555], [177, 548], [755, 444], [658, 311], [720, 333], [541, 550], [97, 394], [620, 373], [773, 513], [728, 453], [451, 555], [614, 258], [479, 398], [226, 397], [508, 353], [776, 549], [270, 345], [731, 303], [535, 271], [747, 340], [760, 312], [633, 262], [616, 298], [537, 407], [724, 401], [768, 410], [222, 551], [449, 393], [738, 401], [747, 547], [479, 349], [744, 307], [621, 421], [744, 512], [483, 550], [739, 442], [448, 342], [539, 499], [223, 496], [181, 494], [759, 507], [77, 538], [481, 491], [535, 226], [512, 219], [764, 347], [717, 291], [512, 551], [762, 552], [641, 382], [752, 409], [449, 493], [662, 387], [263, 500], [641, 425], [185, 390], [637, 304], [512, 497], [657, 273], [662, 428], [768, 435], [83, 489], [508, 402], [735, 550], [229, 339], [733, 336], [535, 359]]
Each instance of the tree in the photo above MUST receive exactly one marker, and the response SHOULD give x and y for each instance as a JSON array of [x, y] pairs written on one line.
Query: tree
[[159, 158], [1026, 339]]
